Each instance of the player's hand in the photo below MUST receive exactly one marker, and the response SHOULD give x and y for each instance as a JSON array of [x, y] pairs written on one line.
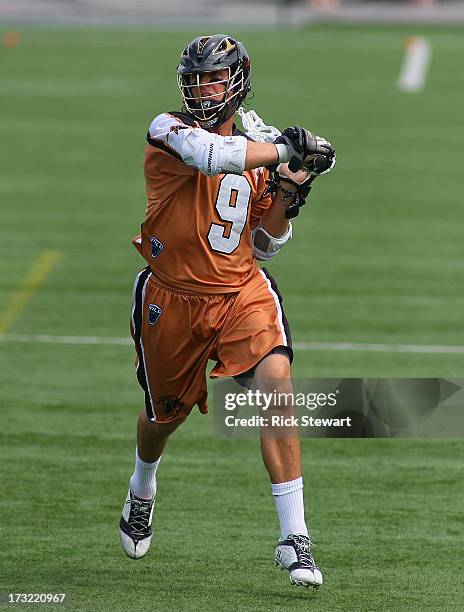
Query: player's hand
[[295, 178], [315, 165], [319, 164], [302, 144]]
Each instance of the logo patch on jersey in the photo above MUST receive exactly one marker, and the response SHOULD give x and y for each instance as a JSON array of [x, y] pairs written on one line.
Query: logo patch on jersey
[[156, 246], [154, 313]]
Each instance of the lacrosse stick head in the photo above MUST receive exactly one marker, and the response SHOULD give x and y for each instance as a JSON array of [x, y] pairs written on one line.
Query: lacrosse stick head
[[255, 128]]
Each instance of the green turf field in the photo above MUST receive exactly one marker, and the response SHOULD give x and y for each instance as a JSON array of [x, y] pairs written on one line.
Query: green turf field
[[376, 258]]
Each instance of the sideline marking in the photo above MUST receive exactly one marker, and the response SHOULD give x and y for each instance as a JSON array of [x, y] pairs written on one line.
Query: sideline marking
[[33, 281], [385, 348], [415, 64], [299, 346]]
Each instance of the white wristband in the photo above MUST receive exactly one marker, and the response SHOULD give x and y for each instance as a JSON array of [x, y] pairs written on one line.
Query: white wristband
[[283, 151]]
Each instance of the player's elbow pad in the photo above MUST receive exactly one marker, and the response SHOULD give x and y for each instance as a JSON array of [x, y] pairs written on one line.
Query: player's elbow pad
[[266, 246], [213, 154]]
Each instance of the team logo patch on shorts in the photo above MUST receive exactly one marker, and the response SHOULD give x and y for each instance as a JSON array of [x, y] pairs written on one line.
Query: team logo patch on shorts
[[169, 405], [154, 313], [156, 246]]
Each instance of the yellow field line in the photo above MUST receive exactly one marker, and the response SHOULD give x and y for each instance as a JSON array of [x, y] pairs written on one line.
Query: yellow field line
[[33, 281]]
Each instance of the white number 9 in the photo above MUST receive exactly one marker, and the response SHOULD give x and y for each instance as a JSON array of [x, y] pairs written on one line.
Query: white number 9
[[232, 204]]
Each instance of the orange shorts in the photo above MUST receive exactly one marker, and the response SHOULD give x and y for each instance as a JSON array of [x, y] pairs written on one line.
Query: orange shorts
[[176, 333]]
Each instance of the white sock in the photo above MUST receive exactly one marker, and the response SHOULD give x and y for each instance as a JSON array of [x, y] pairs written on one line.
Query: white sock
[[288, 497], [143, 480]]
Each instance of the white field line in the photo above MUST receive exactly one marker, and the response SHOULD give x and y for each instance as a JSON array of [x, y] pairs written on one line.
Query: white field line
[[383, 348], [299, 346], [102, 340]]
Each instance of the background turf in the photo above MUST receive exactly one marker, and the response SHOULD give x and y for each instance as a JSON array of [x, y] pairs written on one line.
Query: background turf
[[377, 257]]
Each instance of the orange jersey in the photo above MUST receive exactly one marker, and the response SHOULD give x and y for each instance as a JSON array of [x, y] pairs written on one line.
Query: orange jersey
[[196, 236]]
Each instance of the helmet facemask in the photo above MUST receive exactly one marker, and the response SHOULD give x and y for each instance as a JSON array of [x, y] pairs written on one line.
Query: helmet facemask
[[206, 55], [212, 109]]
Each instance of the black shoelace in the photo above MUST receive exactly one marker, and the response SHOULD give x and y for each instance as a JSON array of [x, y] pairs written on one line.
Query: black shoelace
[[303, 551], [139, 517]]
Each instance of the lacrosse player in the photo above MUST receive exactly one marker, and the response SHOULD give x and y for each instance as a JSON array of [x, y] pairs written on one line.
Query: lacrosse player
[[212, 213]]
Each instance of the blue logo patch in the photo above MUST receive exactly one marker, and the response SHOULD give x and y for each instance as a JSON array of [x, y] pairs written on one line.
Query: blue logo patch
[[154, 313], [156, 247]]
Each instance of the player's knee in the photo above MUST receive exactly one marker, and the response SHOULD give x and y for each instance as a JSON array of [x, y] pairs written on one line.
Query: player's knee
[[274, 369], [161, 428], [273, 378], [169, 427]]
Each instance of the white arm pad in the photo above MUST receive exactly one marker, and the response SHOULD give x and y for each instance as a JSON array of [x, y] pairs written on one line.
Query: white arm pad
[[213, 154], [210, 153], [266, 246]]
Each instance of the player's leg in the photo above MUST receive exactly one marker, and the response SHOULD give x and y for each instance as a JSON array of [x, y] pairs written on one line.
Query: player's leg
[[152, 437], [173, 382], [136, 519], [256, 341], [151, 440], [281, 453], [280, 447]]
